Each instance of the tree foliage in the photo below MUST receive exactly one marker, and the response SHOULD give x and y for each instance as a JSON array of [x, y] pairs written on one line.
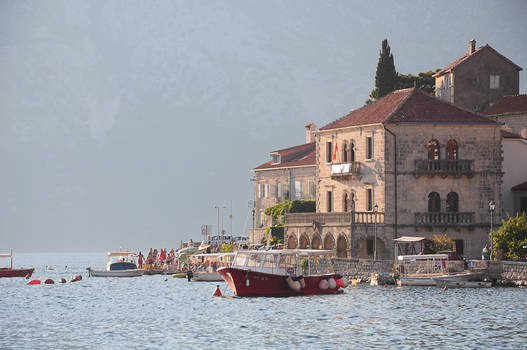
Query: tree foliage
[[385, 76], [441, 242], [510, 238], [424, 81], [277, 213]]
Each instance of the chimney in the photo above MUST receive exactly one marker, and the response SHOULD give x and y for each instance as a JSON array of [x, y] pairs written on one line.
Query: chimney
[[471, 46], [310, 132]]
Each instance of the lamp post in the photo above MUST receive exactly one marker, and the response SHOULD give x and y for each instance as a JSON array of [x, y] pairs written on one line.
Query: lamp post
[[492, 206], [375, 208]]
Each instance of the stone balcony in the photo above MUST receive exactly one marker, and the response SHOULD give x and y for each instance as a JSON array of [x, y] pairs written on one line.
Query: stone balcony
[[444, 167], [444, 219], [355, 217], [344, 170]]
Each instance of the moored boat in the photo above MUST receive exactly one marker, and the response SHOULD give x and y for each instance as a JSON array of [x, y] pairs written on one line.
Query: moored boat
[[10, 271], [462, 284], [429, 280], [120, 264], [209, 264], [284, 272]]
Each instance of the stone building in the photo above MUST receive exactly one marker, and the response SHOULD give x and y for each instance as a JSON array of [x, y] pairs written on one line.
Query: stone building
[[408, 164], [511, 110], [478, 79], [514, 187], [289, 175]]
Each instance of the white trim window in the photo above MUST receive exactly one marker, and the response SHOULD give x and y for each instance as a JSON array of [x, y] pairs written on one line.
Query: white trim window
[[266, 190], [278, 190], [298, 189], [259, 190], [494, 81]]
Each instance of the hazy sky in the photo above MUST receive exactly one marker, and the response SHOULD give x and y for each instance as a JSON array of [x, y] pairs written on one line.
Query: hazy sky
[[123, 123]]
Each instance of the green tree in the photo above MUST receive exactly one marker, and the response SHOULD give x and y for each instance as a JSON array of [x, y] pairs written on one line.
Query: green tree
[[385, 76], [424, 81], [441, 242], [510, 238], [277, 213]]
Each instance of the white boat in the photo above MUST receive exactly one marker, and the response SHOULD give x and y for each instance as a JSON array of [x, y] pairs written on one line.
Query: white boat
[[210, 263], [429, 280], [120, 264], [462, 284]]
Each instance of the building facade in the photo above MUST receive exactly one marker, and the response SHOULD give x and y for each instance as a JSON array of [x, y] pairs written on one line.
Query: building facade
[[478, 79], [406, 165], [289, 175], [514, 173], [511, 110]]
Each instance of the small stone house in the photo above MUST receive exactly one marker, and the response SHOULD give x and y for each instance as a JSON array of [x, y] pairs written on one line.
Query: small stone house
[[478, 79], [408, 164]]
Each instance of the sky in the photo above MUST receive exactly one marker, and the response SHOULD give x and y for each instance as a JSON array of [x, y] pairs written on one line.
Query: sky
[[123, 124]]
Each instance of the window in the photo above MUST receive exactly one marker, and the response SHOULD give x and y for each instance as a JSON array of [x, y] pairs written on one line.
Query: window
[[266, 190], [452, 202], [458, 243], [329, 145], [276, 158], [369, 199], [298, 189], [278, 190], [369, 147], [345, 202], [434, 202], [259, 190], [352, 152], [451, 149], [345, 152], [312, 189], [369, 246], [330, 201], [433, 150], [523, 205], [494, 81]]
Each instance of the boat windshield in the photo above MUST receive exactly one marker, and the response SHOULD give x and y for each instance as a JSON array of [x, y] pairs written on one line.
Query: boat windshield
[[316, 265]]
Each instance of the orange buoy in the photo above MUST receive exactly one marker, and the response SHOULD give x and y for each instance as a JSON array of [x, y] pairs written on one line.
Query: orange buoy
[[33, 282], [446, 287], [217, 292], [49, 281]]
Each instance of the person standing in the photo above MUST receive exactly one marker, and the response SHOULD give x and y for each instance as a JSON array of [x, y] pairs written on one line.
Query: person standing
[[140, 258]]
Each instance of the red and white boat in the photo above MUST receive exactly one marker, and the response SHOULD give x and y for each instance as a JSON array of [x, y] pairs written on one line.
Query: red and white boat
[[285, 272], [10, 271]]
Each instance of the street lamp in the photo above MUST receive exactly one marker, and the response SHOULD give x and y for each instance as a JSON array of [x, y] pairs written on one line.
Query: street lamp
[[375, 208], [492, 206]]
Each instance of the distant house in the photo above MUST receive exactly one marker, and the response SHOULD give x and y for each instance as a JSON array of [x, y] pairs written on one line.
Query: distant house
[[478, 79], [511, 110], [289, 175]]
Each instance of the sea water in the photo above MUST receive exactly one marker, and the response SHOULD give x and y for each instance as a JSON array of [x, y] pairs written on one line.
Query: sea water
[[160, 312]]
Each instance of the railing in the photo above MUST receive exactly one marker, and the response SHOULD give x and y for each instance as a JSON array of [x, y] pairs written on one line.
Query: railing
[[339, 218], [443, 167], [345, 169], [444, 219]]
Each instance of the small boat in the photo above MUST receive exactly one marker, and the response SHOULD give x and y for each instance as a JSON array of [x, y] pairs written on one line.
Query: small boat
[[462, 284], [10, 271], [429, 280], [282, 272], [120, 264], [209, 266]]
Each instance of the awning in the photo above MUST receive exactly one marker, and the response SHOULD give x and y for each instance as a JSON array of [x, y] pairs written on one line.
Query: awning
[[408, 239]]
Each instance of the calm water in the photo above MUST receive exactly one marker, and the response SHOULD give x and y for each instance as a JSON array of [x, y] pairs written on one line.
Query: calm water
[[148, 312]]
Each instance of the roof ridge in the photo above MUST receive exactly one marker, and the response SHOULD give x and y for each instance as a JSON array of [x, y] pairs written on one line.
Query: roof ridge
[[289, 148]]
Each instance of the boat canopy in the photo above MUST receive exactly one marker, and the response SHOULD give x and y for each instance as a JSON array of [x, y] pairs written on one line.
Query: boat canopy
[[408, 239], [213, 255], [121, 254]]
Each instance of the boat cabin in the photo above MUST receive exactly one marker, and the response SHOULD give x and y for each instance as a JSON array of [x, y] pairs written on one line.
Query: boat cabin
[[121, 261], [286, 262]]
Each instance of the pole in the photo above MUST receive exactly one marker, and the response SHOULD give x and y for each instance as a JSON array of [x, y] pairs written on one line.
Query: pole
[[375, 232], [231, 217], [491, 235], [222, 235], [218, 226]]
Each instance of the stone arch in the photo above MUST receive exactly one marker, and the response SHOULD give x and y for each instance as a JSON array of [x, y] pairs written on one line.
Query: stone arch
[[291, 242], [316, 242], [329, 242], [304, 241], [342, 246], [367, 248]]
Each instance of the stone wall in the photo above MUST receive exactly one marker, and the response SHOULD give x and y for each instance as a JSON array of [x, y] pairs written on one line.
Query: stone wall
[[362, 269]]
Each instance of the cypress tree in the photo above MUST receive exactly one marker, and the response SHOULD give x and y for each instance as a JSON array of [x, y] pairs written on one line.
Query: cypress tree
[[386, 76]]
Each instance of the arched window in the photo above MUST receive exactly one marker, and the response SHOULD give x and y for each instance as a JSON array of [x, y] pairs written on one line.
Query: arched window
[[345, 152], [451, 149], [352, 200], [345, 202], [434, 202], [452, 202], [352, 152], [433, 150]]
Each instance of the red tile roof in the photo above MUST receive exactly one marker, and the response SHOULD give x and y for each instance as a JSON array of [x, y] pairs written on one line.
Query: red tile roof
[[293, 156], [466, 56], [510, 135], [409, 106], [508, 104], [520, 187]]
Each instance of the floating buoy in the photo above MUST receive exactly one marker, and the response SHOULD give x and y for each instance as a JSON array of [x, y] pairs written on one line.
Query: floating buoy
[[49, 281], [294, 285], [33, 282], [332, 284], [445, 288], [323, 284], [76, 278], [217, 292], [29, 275], [302, 283], [247, 282], [62, 280]]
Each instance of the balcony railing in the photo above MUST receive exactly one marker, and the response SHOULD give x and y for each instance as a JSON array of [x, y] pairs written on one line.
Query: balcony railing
[[444, 219], [443, 167], [345, 169], [355, 217]]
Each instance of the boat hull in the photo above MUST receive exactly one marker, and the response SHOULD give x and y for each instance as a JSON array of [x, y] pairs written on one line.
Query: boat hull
[[462, 284], [252, 283], [425, 281], [7, 272], [115, 273], [207, 277]]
